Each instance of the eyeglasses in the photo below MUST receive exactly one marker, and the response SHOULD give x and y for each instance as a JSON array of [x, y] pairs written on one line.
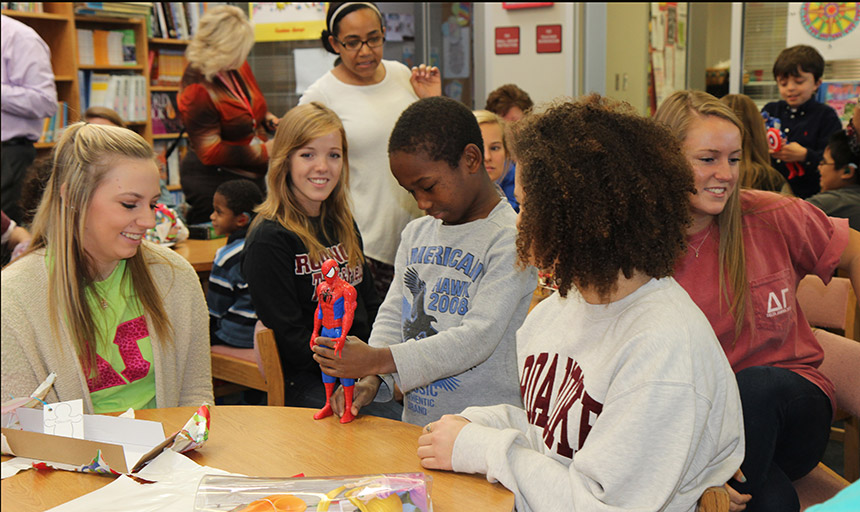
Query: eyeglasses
[[823, 163], [354, 45]]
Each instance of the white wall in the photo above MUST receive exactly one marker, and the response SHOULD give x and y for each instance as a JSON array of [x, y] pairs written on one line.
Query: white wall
[[627, 53], [544, 76], [718, 40]]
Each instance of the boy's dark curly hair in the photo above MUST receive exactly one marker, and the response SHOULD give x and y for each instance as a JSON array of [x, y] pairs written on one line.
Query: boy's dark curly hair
[[242, 196], [438, 127], [606, 190], [503, 98], [801, 56]]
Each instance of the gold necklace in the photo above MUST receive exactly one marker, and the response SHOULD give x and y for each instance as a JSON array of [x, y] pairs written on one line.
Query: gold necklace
[[104, 303], [696, 249]]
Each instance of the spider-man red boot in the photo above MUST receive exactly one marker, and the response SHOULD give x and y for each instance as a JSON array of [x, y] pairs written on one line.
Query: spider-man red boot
[[347, 406], [326, 410]]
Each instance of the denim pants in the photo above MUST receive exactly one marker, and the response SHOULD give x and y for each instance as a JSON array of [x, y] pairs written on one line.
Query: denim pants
[[787, 426]]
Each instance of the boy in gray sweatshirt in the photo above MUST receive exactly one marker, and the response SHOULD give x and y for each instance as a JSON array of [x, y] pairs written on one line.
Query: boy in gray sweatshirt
[[447, 328]]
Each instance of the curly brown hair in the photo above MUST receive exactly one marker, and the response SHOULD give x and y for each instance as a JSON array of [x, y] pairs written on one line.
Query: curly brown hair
[[605, 190], [509, 95]]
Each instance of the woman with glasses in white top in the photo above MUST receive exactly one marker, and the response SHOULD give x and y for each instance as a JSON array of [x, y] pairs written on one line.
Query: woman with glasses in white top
[[368, 94]]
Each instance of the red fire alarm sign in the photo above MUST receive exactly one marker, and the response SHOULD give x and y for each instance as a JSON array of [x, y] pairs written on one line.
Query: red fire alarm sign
[[549, 38], [507, 40]]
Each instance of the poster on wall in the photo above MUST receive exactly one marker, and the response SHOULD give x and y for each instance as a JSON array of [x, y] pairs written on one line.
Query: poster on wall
[[829, 27], [399, 26], [286, 21], [455, 50], [668, 36]]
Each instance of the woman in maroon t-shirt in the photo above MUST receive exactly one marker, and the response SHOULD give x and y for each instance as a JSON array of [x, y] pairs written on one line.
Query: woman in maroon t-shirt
[[747, 251]]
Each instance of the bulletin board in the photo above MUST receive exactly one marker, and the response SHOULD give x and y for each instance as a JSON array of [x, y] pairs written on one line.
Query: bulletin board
[[668, 50]]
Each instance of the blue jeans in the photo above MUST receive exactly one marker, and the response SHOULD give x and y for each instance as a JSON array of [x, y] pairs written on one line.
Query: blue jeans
[[787, 426]]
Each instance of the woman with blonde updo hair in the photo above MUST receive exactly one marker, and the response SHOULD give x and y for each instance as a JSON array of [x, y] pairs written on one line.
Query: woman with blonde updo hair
[[223, 110], [126, 320], [747, 250]]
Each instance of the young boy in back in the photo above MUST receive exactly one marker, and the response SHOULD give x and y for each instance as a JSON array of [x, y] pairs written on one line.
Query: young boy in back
[[806, 124], [446, 330], [231, 313]]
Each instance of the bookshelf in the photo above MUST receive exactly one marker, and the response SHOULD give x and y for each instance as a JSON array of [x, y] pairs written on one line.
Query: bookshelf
[[142, 124]]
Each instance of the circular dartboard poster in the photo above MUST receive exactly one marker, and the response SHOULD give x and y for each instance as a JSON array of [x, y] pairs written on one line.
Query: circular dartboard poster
[[829, 21]]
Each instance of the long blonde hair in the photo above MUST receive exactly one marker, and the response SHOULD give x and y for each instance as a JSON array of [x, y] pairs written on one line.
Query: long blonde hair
[[678, 111], [81, 159], [756, 171], [224, 36], [301, 125]]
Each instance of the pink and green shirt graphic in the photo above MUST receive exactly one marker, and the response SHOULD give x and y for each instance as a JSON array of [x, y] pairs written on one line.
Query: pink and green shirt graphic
[[124, 351]]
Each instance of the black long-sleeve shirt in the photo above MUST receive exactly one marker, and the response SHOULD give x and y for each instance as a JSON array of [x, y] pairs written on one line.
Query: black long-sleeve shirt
[[811, 126], [282, 281]]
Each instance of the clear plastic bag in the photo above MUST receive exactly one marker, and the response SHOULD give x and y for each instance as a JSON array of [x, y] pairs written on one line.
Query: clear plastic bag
[[395, 492]]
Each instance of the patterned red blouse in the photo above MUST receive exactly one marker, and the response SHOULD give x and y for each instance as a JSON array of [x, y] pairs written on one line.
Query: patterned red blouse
[[219, 124]]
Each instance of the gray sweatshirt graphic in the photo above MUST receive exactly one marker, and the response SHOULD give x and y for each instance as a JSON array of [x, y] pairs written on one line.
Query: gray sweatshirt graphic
[[451, 315]]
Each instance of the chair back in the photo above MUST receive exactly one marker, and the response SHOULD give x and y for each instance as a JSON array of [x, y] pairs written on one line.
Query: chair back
[[269, 364], [257, 368], [830, 306]]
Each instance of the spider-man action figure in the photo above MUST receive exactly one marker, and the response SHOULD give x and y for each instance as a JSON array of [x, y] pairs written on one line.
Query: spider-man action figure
[[336, 301]]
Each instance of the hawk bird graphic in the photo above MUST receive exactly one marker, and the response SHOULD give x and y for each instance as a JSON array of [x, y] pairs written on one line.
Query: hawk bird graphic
[[416, 323]]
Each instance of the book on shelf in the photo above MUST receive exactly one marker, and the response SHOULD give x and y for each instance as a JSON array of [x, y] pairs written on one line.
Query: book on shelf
[[86, 47], [126, 94], [168, 17], [155, 28], [177, 20], [107, 47], [164, 112], [23, 6], [53, 127], [192, 16], [98, 90], [124, 9], [166, 67]]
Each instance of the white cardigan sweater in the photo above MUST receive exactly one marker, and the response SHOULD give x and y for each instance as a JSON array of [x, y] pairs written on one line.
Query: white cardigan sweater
[[183, 370]]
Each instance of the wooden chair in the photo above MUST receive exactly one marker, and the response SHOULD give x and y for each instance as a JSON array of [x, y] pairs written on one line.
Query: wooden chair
[[841, 361], [255, 368], [834, 307], [715, 499]]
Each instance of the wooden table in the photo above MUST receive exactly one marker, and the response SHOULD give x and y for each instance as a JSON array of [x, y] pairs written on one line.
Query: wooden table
[[200, 253], [278, 442]]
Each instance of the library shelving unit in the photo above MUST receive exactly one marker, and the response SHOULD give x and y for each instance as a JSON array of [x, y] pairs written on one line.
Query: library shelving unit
[[158, 44], [138, 25], [58, 25]]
